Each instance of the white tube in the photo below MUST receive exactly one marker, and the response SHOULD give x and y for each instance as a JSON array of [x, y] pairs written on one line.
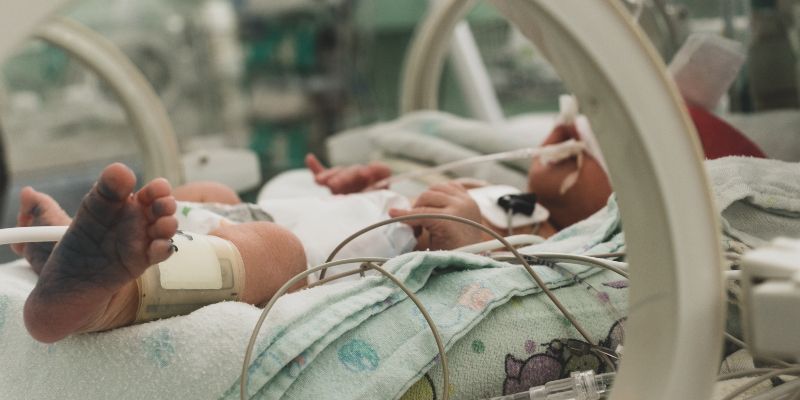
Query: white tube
[[585, 260], [732, 275], [548, 154], [32, 234]]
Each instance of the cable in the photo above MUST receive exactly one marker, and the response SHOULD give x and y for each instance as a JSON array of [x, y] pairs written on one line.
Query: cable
[[368, 263], [747, 386], [606, 354], [744, 373], [31, 234], [735, 340], [554, 152], [491, 233], [335, 277], [614, 266], [619, 254], [283, 289], [732, 275], [509, 219], [515, 240], [584, 385], [437, 337]]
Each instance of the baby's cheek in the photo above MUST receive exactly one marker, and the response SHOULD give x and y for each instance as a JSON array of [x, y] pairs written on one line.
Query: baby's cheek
[[545, 179]]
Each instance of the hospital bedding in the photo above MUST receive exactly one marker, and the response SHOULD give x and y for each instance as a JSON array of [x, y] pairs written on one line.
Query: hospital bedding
[[363, 339]]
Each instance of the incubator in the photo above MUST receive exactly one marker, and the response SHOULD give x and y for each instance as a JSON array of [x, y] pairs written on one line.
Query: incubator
[[632, 119]]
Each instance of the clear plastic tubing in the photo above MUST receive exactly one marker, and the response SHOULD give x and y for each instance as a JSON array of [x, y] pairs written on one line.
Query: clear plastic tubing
[[579, 386], [31, 234]]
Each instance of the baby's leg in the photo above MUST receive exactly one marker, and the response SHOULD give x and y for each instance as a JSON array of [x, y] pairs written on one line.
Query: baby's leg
[[88, 282], [206, 192], [271, 254]]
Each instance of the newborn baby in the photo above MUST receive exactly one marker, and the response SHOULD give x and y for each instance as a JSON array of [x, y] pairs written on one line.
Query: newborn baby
[[88, 280]]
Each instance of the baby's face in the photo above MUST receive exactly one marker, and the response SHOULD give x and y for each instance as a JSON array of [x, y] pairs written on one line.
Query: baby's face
[[545, 179], [586, 196]]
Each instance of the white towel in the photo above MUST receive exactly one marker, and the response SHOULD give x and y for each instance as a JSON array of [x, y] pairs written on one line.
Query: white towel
[[758, 199], [196, 356]]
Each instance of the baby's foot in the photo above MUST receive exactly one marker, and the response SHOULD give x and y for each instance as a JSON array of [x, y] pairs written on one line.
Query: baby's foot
[[38, 209], [88, 283]]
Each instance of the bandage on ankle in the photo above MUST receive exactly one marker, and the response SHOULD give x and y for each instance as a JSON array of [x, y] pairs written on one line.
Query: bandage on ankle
[[202, 270]]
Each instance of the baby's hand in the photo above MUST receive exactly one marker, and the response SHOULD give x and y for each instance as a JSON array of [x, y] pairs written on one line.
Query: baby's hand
[[449, 198], [344, 180]]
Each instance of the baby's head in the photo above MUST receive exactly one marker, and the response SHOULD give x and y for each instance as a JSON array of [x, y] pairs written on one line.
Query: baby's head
[[588, 195]]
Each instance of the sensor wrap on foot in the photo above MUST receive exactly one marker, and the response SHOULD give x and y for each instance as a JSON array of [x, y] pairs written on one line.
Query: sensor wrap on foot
[[202, 270]]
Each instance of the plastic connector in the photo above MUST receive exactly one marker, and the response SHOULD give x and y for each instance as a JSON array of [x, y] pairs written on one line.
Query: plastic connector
[[579, 386], [770, 281]]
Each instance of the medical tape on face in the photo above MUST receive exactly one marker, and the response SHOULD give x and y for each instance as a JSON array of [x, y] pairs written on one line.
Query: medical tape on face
[[569, 115], [558, 152], [202, 270]]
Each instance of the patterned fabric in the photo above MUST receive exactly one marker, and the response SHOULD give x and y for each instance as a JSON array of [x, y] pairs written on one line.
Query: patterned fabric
[[527, 343]]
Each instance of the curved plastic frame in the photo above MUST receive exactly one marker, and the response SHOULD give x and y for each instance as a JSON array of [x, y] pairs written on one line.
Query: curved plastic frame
[[142, 105], [674, 331], [144, 108]]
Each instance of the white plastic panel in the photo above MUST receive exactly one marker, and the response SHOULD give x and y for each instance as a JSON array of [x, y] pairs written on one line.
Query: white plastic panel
[[674, 332]]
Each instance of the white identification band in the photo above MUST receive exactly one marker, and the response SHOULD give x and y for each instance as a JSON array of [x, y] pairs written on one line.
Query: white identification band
[[202, 270]]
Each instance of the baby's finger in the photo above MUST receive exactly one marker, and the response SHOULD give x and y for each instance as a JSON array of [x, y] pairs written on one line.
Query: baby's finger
[[313, 163], [323, 177], [349, 180], [450, 187], [471, 183], [414, 224], [378, 171], [433, 198], [395, 212]]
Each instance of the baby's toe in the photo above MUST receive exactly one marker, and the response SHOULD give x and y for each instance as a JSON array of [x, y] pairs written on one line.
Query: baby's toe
[[161, 207], [159, 250], [154, 190], [163, 228], [116, 182]]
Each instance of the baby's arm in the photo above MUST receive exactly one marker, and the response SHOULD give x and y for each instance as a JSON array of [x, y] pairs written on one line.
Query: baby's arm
[[344, 180]]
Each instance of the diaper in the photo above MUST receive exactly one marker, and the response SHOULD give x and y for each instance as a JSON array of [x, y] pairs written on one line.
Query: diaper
[[321, 223]]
